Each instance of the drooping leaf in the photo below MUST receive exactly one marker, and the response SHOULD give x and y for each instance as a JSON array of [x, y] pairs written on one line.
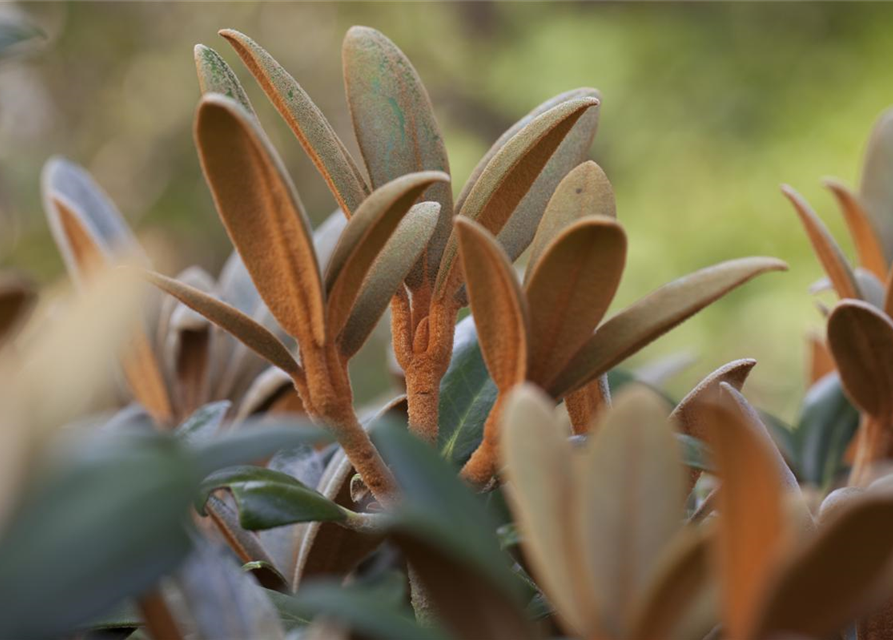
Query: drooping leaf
[[826, 425], [267, 499], [307, 122], [868, 246], [875, 189], [570, 290], [500, 309], [584, 191], [262, 214], [230, 319], [826, 248], [655, 314], [467, 394], [395, 126], [363, 239], [861, 340], [387, 274], [826, 584], [631, 499], [508, 177], [753, 532], [215, 76], [539, 469]]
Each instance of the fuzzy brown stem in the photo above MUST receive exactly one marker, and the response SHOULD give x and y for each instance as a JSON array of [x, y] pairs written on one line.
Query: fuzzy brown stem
[[586, 403], [484, 462], [157, 617], [872, 445]]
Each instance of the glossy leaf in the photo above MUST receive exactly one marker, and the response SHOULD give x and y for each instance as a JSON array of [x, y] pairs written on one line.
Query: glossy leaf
[[467, 394], [655, 314], [508, 177], [875, 189], [584, 191], [215, 76], [570, 290], [868, 246], [363, 239], [306, 121], [826, 248], [539, 469], [387, 274], [262, 214], [395, 126], [631, 497], [861, 340], [499, 308], [252, 334], [268, 499]]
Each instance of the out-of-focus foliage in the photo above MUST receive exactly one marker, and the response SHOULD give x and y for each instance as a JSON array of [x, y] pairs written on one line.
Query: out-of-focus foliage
[[706, 108]]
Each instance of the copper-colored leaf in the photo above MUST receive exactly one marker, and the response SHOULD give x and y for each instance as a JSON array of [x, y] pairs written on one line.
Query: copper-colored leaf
[[833, 578], [820, 361], [876, 189], [499, 308], [868, 246], [861, 340], [509, 176], [363, 239], [676, 595], [263, 215], [826, 248], [753, 532], [584, 191], [387, 274], [395, 125], [654, 315], [307, 122], [630, 498], [539, 469], [215, 76], [230, 319], [570, 290]]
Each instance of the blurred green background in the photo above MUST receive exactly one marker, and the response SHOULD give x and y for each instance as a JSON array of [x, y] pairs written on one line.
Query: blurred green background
[[706, 109]]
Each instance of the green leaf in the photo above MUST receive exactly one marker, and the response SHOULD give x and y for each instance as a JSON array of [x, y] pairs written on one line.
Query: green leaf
[[104, 525], [827, 423], [268, 499], [15, 32], [215, 76], [467, 393], [204, 423], [694, 453]]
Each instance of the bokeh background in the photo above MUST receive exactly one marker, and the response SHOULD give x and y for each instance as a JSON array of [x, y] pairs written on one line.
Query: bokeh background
[[706, 109]]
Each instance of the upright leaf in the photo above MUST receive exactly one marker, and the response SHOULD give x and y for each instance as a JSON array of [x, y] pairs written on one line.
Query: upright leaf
[[499, 308], [570, 290], [306, 121], [876, 190], [654, 315], [262, 214], [868, 246], [395, 126], [215, 76], [509, 176]]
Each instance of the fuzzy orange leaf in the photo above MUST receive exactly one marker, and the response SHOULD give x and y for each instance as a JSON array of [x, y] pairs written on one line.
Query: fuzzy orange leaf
[[868, 247]]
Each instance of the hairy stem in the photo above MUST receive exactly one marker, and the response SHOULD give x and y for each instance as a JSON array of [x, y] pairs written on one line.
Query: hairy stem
[[157, 616], [586, 403], [484, 462]]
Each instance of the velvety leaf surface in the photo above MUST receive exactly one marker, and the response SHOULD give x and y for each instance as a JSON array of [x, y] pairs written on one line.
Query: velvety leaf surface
[[395, 126], [868, 246], [876, 190], [307, 122], [215, 76]]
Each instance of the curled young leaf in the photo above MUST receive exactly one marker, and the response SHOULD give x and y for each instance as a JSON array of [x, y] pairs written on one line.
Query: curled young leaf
[[230, 319], [585, 191], [262, 214], [215, 76], [826, 248], [306, 121], [395, 126], [387, 273], [876, 189], [868, 246], [363, 239], [570, 290], [654, 315], [499, 308], [861, 340], [508, 177]]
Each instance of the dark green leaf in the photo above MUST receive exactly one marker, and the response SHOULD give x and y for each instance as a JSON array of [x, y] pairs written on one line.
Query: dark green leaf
[[268, 499], [204, 422], [827, 424], [467, 393]]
